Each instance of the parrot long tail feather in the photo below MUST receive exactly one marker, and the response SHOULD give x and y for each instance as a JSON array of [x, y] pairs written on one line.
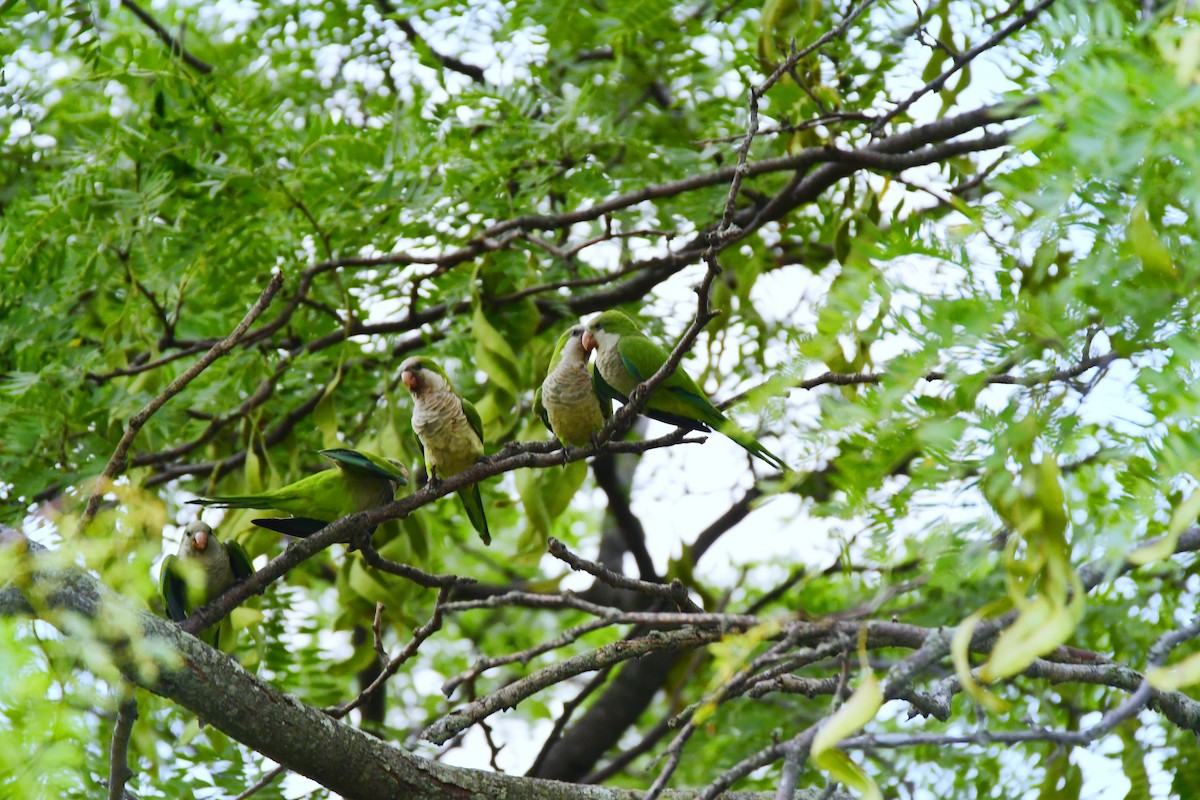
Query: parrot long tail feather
[[753, 447], [472, 502]]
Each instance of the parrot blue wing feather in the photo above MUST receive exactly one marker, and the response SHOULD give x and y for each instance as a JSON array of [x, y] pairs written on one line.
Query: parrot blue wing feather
[[678, 420], [709, 415], [633, 370]]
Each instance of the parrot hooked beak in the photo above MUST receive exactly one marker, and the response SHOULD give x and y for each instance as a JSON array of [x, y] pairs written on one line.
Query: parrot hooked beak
[[589, 341], [200, 541], [410, 380]]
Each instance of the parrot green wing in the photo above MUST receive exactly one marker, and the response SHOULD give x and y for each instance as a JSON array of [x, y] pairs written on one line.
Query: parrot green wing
[[364, 464], [174, 589], [472, 501], [556, 356], [540, 409], [693, 401], [473, 417], [239, 562], [280, 498], [641, 357], [606, 392], [678, 400], [313, 496]]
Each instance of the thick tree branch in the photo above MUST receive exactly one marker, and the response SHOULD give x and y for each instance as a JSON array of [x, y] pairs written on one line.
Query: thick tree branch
[[213, 686]]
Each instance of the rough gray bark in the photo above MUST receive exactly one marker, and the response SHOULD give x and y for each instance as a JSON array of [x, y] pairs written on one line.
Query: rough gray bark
[[303, 739]]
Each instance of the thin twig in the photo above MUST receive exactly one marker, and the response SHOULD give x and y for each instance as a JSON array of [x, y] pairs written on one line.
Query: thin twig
[[263, 782], [962, 61], [674, 591], [166, 38], [451, 63], [119, 772], [1085, 364], [117, 463], [568, 711], [509, 696], [392, 665], [377, 633], [523, 657]]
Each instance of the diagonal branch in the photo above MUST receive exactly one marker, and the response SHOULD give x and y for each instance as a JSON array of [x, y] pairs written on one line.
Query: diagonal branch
[[675, 591], [517, 455], [117, 463], [345, 760], [451, 63], [173, 44], [509, 696], [119, 772], [961, 61]]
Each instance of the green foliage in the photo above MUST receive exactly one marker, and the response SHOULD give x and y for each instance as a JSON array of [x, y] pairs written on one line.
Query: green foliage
[[1023, 360]]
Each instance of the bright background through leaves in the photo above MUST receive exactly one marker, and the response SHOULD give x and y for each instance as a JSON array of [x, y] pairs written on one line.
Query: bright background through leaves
[[981, 358]]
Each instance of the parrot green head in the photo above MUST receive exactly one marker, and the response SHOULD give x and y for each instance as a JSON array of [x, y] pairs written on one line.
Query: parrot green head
[[569, 345], [199, 543], [423, 376], [606, 329]]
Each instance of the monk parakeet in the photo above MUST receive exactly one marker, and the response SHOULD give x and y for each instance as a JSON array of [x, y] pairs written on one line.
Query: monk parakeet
[[567, 400], [625, 357], [450, 430], [217, 565], [360, 481]]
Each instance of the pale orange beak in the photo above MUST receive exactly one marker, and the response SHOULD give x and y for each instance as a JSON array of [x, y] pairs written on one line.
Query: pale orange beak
[[410, 380], [200, 541], [589, 341]]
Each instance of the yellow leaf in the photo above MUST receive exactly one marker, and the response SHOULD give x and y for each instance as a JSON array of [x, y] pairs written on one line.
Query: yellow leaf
[[1041, 626], [857, 711], [325, 414], [1176, 676], [1183, 516], [1147, 246], [960, 647]]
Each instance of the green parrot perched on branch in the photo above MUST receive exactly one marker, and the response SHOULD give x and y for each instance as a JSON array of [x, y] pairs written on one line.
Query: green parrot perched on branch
[[625, 357], [203, 569], [450, 430], [359, 481], [567, 401]]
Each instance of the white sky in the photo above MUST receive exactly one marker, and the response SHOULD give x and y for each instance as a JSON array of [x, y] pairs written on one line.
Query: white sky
[[677, 491]]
